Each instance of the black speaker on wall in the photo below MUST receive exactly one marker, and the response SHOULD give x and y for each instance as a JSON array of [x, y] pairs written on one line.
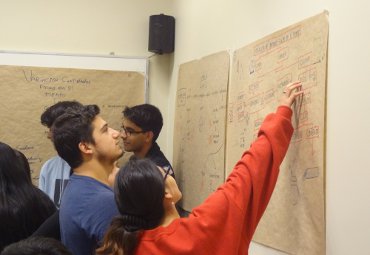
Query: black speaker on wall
[[161, 34]]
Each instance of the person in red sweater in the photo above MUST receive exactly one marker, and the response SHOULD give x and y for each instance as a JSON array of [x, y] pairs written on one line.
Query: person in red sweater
[[224, 223]]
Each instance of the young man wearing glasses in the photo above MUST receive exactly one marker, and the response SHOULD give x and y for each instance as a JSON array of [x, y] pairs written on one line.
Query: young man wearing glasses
[[140, 129], [141, 126]]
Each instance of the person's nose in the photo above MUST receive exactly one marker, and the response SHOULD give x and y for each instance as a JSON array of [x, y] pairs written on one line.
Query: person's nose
[[116, 134], [123, 134]]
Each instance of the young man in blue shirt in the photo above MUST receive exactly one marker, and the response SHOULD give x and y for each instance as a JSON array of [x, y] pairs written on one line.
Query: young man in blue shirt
[[91, 148]]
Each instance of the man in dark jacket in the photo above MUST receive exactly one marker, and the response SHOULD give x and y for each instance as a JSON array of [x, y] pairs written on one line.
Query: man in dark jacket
[[141, 126]]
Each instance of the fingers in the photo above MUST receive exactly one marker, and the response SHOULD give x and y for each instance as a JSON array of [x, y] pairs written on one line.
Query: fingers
[[292, 87], [291, 92]]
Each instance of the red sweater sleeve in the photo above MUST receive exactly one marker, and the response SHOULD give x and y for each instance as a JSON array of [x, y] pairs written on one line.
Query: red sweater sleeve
[[249, 187], [226, 221], [262, 162]]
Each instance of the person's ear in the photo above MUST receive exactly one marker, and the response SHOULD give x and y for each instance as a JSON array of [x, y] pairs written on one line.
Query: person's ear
[[149, 136], [167, 193], [86, 148]]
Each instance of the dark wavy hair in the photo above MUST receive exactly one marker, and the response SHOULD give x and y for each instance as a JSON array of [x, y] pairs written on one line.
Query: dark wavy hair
[[146, 116], [53, 112], [139, 192], [23, 207], [71, 128]]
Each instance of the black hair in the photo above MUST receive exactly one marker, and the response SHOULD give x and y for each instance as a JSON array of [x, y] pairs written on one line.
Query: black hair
[[36, 246], [23, 207], [146, 116], [139, 192], [53, 112], [24, 164], [13, 169], [71, 128]]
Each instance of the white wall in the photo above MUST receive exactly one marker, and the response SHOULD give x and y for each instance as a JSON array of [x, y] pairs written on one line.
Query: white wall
[[208, 26], [205, 27]]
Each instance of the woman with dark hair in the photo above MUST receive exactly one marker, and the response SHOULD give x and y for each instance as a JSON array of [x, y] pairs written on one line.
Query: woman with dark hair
[[224, 223], [23, 207]]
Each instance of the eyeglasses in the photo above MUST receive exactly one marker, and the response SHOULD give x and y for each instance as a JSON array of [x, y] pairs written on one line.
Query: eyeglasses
[[167, 171], [128, 131]]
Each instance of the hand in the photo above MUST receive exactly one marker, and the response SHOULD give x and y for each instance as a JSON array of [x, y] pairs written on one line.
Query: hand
[[291, 92]]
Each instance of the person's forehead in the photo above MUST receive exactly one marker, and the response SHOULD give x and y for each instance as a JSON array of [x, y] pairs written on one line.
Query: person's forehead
[[98, 122], [129, 124]]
